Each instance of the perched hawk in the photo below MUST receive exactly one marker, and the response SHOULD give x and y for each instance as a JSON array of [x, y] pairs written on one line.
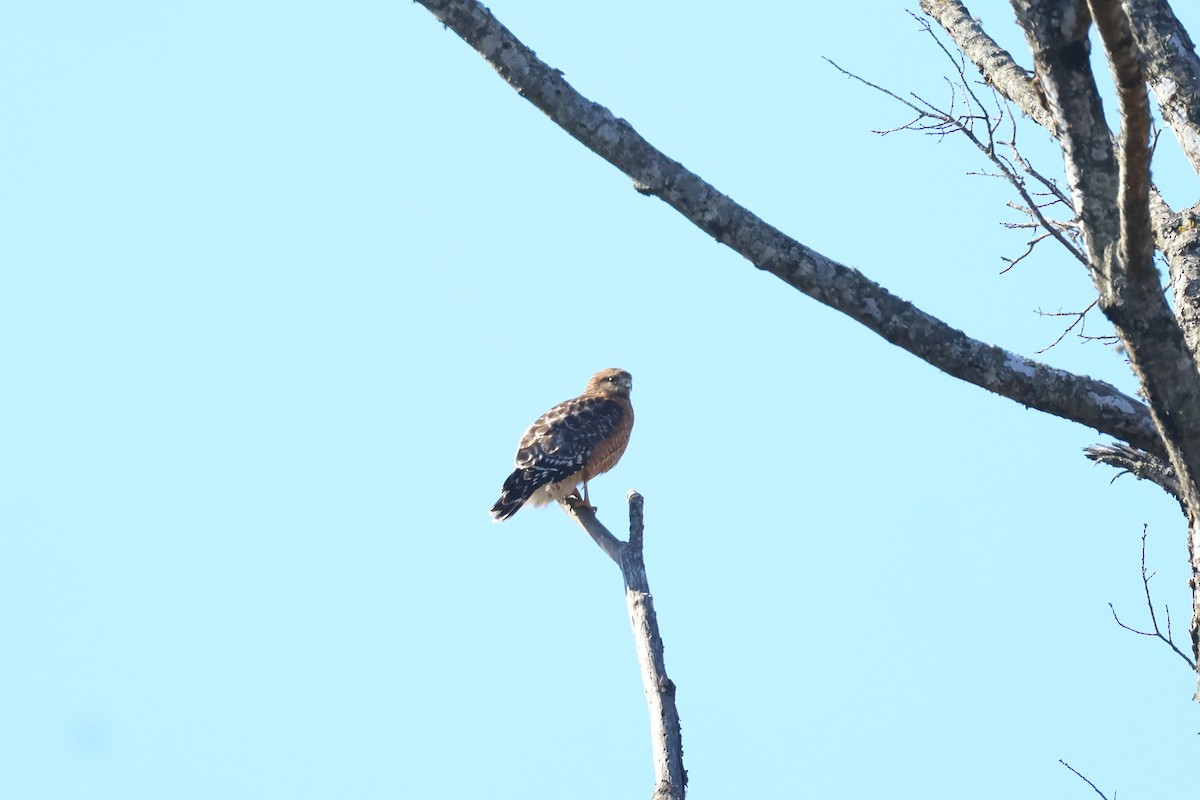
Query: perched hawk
[[570, 444]]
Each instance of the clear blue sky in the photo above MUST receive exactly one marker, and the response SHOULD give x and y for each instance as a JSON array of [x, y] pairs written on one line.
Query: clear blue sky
[[284, 282]]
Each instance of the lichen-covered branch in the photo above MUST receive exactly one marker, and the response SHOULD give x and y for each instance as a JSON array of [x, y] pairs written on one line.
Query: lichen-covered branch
[[1137, 463], [994, 62], [1135, 248], [1172, 70], [1178, 237], [1075, 397], [1157, 349], [1112, 198], [1057, 33], [1169, 61]]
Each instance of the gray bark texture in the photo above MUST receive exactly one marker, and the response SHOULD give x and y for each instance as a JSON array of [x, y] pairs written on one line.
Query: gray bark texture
[[1122, 218], [1111, 188], [1137, 463], [1031, 383], [1145, 44], [666, 739], [1172, 70]]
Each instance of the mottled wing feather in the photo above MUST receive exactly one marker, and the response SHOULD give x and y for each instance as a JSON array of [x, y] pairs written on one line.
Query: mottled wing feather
[[569, 444], [560, 442], [574, 436]]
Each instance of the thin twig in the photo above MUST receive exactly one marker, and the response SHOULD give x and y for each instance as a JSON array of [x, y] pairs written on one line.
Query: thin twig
[[1032, 243], [840, 287], [1157, 633], [943, 123], [958, 59], [1051, 185], [1085, 780], [1078, 319]]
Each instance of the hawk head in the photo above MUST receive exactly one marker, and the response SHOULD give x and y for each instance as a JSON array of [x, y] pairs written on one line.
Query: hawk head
[[610, 382]]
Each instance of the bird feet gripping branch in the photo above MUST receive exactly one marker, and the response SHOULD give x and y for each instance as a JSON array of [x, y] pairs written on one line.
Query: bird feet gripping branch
[[576, 503]]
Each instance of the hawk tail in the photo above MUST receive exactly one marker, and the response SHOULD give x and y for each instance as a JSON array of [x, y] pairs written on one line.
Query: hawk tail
[[517, 489]]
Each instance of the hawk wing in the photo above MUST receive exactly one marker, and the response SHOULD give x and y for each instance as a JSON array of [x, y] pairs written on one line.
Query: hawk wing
[[560, 442], [558, 446]]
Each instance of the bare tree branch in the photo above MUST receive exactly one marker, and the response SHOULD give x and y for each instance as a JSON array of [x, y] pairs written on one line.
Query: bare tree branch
[[1084, 779], [1178, 237], [1156, 632], [1172, 70], [1169, 424], [1057, 35], [1137, 463], [1029, 246], [585, 515], [1051, 186], [1033, 384], [666, 739], [997, 65], [1112, 199], [1157, 30], [932, 119], [1157, 349], [1167, 55], [1078, 320], [1136, 246]]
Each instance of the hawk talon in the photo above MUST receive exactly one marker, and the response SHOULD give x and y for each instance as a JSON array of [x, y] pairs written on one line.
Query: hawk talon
[[577, 503]]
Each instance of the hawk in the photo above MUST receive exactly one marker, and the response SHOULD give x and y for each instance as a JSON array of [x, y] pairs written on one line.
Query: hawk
[[570, 444]]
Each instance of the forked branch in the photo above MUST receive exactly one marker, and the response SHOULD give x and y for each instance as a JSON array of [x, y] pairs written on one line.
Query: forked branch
[[1114, 236], [1155, 630], [979, 125], [1029, 382], [1173, 72]]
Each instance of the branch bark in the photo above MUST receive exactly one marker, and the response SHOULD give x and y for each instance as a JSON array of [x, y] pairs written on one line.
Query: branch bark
[[1170, 63], [1168, 58], [666, 739], [1137, 463], [1112, 199], [1178, 237], [1172, 70], [994, 62], [1135, 245], [1033, 384]]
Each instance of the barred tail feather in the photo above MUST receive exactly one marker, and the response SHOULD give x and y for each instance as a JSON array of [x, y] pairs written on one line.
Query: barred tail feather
[[517, 489]]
